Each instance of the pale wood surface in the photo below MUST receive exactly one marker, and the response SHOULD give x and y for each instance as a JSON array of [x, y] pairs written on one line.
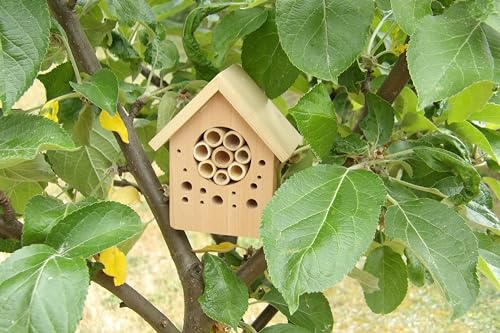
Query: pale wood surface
[[210, 216], [250, 102]]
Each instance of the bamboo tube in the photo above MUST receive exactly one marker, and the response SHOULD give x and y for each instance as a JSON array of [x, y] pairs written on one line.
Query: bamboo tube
[[202, 151], [222, 157], [206, 169], [213, 136], [221, 177], [237, 171], [233, 140], [243, 155]]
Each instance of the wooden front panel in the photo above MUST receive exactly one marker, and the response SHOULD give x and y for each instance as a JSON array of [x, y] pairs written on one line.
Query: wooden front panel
[[193, 199]]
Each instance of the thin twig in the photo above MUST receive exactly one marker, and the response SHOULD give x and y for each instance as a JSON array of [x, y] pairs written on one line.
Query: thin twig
[[155, 79], [264, 318]]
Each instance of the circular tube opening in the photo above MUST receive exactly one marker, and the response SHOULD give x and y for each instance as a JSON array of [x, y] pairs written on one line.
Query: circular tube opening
[[201, 151], [221, 177], [233, 140], [206, 169], [214, 136], [242, 155], [222, 157]]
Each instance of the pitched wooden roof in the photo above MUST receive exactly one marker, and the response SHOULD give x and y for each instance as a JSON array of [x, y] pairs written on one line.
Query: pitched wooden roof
[[250, 102]]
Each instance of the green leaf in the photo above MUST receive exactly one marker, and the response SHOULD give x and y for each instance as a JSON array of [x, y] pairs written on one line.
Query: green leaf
[[122, 48], [24, 39], [205, 70], [284, 328], [489, 248], [313, 313], [490, 114], [441, 160], [56, 82], [162, 54], [378, 124], [42, 213], [323, 37], [447, 53], [316, 120], [101, 89], [131, 11], [93, 228], [237, 24], [480, 218], [469, 101], [493, 138], [408, 13], [9, 245], [390, 269], [225, 298], [491, 272], [416, 271], [170, 8], [443, 243], [494, 185], [471, 135], [412, 119], [367, 281], [42, 291], [316, 216], [22, 137], [265, 61], [167, 109], [91, 168], [25, 180]]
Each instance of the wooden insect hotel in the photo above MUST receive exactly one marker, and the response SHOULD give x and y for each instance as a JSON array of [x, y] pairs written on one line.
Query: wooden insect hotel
[[226, 147]]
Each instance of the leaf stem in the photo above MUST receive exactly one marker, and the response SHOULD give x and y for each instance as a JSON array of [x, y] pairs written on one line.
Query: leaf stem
[[56, 99], [399, 153], [392, 200], [431, 190], [375, 48], [376, 31]]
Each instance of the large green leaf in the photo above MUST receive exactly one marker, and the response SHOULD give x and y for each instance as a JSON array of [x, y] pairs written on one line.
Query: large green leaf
[[56, 82], [131, 11], [25, 180], [234, 26], [313, 313], [443, 243], [24, 38], [42, 213], [42, 291], [284, 328], [411, 118], [265, 61], [378, 124], [447, 53], [390, 269], [409, 12], [469, 101], [101, 89], [205, 70], [323, 37], [470, 134], [493, 138], [323, 214], [162, 54], [94, 228], [225, 298], [415, 269], [316, 120], [91, 168], [23, 136], [490, 114]]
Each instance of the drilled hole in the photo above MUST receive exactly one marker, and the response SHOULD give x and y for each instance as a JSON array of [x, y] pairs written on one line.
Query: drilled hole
[[234, 206], [178, 150], [253, 186], [233, 193], [259, 177], [187, 186], [262, 162], [251, 203], [217, 199], [203, 190], [202, 202], [185, 199], [185, 170]]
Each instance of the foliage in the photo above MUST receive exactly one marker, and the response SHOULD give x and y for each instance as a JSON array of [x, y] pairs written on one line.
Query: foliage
[[397, 180]]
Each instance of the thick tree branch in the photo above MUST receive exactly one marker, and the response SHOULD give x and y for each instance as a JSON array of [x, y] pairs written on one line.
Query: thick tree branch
[[10, 227], [253, 268], [264, 318], [391, 87], [186, 262]]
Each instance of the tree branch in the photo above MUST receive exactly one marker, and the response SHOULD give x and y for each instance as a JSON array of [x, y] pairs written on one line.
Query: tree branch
[[391, 87], [253, 268], [137, 303], [155, 79], [10, 227], [264, 318], [186, 262]]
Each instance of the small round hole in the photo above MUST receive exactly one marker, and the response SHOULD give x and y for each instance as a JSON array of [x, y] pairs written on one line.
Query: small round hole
[[178, 150], [185, 170], [187, 186], [217, 199], [233, 193], [203, 190], [253, 186], [234, 206], [185, 199], [262, 162], [202, 202], [251, 203], [259, 177]]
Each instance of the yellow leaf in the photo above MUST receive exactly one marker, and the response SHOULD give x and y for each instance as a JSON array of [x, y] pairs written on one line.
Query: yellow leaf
[[50, 110], [114, 123], [115, 264], [220, 248], [125, 195]]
